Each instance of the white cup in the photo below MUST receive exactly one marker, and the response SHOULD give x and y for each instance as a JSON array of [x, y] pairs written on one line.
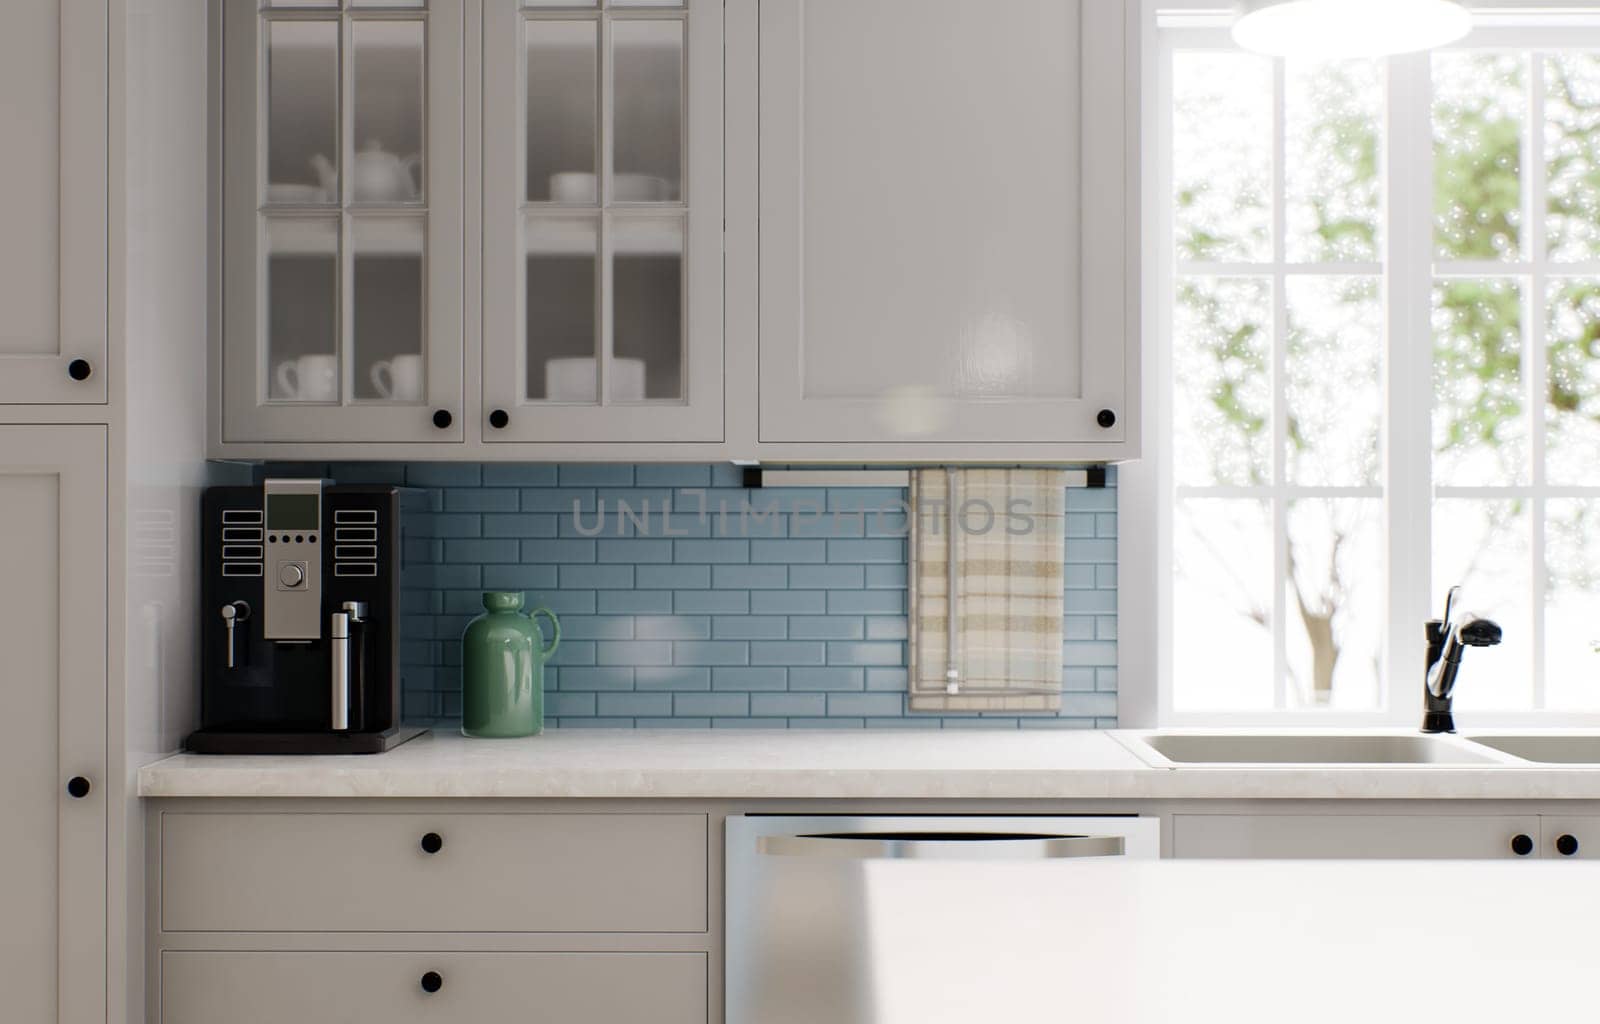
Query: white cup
[[312, 378], [398, 379], [573, 380]]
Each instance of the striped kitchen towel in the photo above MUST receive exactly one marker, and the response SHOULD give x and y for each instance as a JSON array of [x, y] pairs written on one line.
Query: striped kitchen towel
[[1009, 547]]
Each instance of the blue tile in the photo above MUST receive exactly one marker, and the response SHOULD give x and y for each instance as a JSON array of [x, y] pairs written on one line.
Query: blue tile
[[866, 705], [874, 654], [826, 526], [831, 678], [569, 705], [449, 577], [1097, 551], [634, 552], [673, 627], [597, 627], [444, 525], [673, 677], [750, 679], [546, 550], [672, 723], [566, 602], [788, 602], [492, 552], [711, 705], [519, 577], [1094, 654], [750, 627], [634, 652], [711, 551], [630, 704], [783, 705], [581, 475], [827, 627], [866, 602], [886, 577], [711, 652], [891, 552], [634, 602], [787, 652], [596, 577], [712, 602], [1091, 602], [560, 500], [749, 577], [672, 577], [788, 551], [672, 476], [481, 500], [529, 525], [888, 627], [444, 474], [574, 652], [1088, 705], [368, 472], [827, 723], [518, 475], [589, 678], [826, 577]]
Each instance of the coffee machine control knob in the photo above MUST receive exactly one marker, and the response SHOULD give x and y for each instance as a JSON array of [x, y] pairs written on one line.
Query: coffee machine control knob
[[291, 575]]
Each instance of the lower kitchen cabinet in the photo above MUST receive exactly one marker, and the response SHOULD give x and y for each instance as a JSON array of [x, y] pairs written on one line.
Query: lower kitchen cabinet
[[53, 639], [207, 987], [1570, 838], [1355, 836]]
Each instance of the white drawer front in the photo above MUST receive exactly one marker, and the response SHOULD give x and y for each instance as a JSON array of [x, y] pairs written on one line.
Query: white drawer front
[[491, 872], [474, 988], [1350, 836]]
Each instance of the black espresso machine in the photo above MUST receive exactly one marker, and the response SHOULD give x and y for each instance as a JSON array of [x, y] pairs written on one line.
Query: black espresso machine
[[300, 604]]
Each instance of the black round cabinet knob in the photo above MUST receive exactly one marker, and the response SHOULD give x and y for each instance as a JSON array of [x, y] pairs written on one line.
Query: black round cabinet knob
[[1567, 846], [432, 982], [1107, 419], [1521, 845], [433, 842], [442, 419], [79, 369], [499, 419], [78, 787]]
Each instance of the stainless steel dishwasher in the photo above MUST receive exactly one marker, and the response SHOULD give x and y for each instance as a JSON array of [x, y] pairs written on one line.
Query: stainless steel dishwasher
[[804, 893]]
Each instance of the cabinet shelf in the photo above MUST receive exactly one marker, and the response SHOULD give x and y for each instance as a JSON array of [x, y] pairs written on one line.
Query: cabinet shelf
[[378, 236]]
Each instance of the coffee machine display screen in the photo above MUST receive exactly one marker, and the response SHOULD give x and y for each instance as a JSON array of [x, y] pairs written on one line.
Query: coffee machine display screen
[[294, 512]]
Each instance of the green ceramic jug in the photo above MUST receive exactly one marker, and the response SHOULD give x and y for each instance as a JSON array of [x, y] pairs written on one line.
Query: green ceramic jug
[[502, 669]]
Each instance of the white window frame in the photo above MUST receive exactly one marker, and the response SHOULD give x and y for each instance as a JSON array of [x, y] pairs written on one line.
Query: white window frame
[[1147, 488]]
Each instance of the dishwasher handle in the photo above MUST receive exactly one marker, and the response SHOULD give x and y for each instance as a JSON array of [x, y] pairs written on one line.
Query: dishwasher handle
[[941, 846]]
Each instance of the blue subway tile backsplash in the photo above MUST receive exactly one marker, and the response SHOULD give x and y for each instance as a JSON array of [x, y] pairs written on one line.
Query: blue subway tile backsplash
[[687, 601]]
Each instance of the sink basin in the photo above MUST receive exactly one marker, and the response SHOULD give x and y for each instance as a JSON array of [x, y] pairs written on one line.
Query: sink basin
[[1546, 749], [1316, 749]]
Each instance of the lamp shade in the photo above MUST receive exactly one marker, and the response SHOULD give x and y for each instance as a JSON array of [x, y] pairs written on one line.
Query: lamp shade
[[1348, 28]]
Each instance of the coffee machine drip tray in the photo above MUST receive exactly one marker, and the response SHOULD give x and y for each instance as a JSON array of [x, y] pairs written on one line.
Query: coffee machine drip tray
[[225, 741]]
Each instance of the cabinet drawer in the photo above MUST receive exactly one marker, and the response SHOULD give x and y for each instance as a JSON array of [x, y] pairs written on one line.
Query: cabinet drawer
[[491, 872], [474, 988], [1349, 837]]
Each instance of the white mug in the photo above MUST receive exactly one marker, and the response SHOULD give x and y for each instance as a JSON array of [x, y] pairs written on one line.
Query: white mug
[[312, 378], [398, 379], [574, 380]]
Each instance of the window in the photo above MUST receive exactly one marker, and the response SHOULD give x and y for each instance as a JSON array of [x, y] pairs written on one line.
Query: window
[[1376, 370]]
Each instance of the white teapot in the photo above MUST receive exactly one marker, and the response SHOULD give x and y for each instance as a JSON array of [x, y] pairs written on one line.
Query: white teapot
[[376, 176]]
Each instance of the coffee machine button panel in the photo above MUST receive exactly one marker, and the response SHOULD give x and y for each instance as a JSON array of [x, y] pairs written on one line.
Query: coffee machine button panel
[[293, 605]]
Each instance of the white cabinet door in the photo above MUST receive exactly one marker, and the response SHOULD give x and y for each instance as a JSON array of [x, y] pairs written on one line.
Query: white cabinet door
[[947, 217], [1354, 837], [53, 75], [602, 227], [53, 639], [342, 221], [1570, 837]]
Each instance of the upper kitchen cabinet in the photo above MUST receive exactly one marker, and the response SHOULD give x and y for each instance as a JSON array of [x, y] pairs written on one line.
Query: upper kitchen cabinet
[[341, 198], [603, 221], [948, 227], [53, 249]]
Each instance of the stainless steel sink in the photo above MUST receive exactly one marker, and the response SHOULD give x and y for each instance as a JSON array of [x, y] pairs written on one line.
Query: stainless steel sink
[[1546, 749], [1316, 749]]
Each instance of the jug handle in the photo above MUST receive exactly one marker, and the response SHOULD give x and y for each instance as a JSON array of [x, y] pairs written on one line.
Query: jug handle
[[412, 165], [555, 625]]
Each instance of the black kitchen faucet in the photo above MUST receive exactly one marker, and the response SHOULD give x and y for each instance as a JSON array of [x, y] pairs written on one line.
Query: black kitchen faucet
[[1447, 639]]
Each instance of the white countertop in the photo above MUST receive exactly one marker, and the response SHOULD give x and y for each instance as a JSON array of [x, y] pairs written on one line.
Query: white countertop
[[841, 765]]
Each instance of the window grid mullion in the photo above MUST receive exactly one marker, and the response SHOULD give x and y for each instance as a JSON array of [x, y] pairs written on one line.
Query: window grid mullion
[[1534, 357], [1280, 412]]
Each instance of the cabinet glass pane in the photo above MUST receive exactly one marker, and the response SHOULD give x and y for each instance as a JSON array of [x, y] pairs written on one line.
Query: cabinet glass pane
[[302, 3], [647, 133], [563, 111], [647, 309], [388, 3], [302, 308], [559, 3], [386, 289], [302, 142], [646, 3], [562, 262], [389, 101]]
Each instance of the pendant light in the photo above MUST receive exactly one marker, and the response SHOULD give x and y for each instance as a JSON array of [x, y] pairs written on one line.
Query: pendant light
[[1348, 28]]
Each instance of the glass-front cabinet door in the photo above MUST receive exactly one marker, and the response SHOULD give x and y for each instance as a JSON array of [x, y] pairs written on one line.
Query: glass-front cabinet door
[[342, 223], [602, 270]]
